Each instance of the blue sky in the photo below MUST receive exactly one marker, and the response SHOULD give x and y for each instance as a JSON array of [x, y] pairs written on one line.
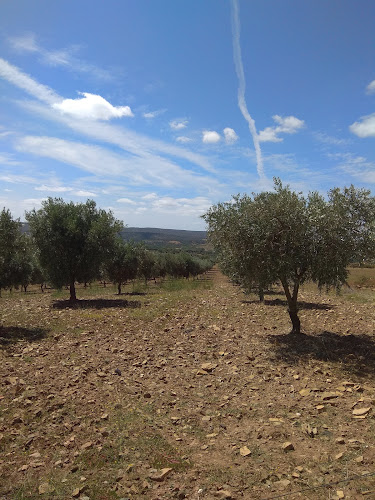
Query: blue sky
[[157, 109]]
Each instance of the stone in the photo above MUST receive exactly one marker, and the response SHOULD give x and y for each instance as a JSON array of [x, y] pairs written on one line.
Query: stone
[[284, 483], [244, 451], [76, 492], [287, 446], [160, 475], [224, 494], [327, 396], [305, 392], [340, 494], [45, 488], [208, 367], [361, 411], [87, 445]]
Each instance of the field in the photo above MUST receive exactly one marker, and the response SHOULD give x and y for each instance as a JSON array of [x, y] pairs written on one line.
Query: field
[[188, 390]]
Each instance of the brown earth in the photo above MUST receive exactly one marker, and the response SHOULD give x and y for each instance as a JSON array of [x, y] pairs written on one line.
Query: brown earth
[[194, 392]]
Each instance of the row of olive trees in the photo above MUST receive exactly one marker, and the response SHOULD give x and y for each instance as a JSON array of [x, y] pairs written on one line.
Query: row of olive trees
[[70, 243], [131, 260], [283, 237]]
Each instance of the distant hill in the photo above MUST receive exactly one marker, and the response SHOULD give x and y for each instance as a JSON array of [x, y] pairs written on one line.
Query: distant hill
[[161, 237], [155, 237]]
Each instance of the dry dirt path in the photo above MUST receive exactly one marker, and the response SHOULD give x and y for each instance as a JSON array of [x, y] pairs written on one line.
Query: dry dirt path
[[192, 393]]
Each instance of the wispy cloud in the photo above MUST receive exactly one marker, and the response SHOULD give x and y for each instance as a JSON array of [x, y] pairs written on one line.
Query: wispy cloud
[[357, 166], [178, 124], [183, 139], [365, 127], [93, 107], [128, 140], [127, 201], [62, 57], [25, 82], [285, 125], [54, 189], [153, 114], [330, 140], [210, 137], [148, 169], [242, 85], [370, 89]]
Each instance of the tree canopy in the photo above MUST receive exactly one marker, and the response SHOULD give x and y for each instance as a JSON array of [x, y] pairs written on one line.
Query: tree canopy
[[73, 240], [9, 234], [282, 236]]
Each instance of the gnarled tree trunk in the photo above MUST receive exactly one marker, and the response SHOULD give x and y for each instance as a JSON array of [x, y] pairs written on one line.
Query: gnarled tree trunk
[[292, 305]]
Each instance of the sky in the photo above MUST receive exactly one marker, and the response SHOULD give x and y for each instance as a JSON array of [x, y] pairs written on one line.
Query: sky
[[158, 109]]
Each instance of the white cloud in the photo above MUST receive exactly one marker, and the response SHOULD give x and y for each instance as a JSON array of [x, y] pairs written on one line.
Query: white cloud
[[183, 139], [24, 43], [178, 124], [370, 89], [230, 135], [153, 114], [210, 137], [328, 139], [25, 82], [357, 166], [189, 207], [145, 169], [128, 140], [285, 125], [61, 57], [365, 127], [53, 189], [128, 201], [93, 107], [150, 196], [82, 192]]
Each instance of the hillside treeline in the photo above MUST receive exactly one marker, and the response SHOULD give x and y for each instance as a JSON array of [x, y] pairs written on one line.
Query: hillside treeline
[[77, 243]]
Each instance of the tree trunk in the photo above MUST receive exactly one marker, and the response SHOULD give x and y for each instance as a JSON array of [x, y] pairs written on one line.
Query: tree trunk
[[25, 288], [261, 294], [41, 287], [119, 288], [292, 306], [72, 288], [296, 324]]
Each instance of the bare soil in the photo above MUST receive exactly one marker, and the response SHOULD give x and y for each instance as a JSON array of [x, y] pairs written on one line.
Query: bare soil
[[102, 399]]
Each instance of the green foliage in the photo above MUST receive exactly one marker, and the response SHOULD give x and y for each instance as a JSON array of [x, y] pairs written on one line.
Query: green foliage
[[122, 265], [73, 240], [282, 236], [9, 234]]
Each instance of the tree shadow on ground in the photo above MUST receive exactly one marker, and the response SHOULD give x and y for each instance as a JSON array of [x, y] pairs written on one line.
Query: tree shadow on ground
[[355, 353], [301, 304], [133, 293], [96, 304], [11, 334]]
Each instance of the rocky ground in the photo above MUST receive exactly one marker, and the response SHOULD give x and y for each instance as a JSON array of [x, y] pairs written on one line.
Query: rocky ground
[[195, 391]]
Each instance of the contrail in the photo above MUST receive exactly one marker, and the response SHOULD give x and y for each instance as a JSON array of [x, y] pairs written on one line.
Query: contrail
[[242, 85]]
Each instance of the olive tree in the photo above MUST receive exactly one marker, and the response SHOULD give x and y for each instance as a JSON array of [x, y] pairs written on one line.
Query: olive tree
[[73, 240], [122, 264], [9, 234], [282, 236]]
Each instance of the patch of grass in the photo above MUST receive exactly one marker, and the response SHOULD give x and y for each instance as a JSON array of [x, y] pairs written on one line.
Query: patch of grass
[[177, 285]]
